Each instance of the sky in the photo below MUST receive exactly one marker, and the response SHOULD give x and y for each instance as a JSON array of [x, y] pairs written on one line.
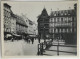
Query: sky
[[33, 9]]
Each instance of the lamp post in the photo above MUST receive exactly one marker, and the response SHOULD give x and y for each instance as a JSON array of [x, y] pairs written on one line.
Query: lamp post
[[44, 35]]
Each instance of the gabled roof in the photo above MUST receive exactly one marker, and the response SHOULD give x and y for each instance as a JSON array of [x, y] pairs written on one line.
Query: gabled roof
[[43, 14]]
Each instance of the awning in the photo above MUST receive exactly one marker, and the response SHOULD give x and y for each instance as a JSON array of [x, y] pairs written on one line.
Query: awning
[[8, 35], [16, 35], [32, 35]]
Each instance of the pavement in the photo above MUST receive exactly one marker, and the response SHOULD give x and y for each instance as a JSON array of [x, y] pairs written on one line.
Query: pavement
[[67, 49], [21, 47], [13, 48]]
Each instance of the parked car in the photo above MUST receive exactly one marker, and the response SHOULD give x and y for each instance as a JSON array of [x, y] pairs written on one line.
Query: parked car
[[8, 37]]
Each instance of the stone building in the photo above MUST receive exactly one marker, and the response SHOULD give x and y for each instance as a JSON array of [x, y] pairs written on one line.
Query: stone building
[[35, 29], [21, 27], [13, 23], [43, 24], [32, 27], [63, 25], [9, 21], [7, 18]]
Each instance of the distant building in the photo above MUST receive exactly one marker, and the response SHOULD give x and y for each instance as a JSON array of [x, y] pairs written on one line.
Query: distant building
[[30, 27], [35, 29], [43, 24], [31, 30], [21, 27], [63, 24], [7, 18]]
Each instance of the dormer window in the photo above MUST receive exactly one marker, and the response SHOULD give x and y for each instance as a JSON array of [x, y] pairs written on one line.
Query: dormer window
[[58, 13], [68, 12], [55, 14], [65, 12]]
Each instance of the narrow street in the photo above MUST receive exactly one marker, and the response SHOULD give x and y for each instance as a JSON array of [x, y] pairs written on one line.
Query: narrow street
[[39, 29]]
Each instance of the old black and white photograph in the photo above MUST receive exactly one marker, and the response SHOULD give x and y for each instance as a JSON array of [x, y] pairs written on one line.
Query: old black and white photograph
[[40, 28]]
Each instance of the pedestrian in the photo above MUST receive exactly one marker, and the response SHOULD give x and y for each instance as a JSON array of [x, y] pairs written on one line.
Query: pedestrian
[[39, 39], [32, 40], [29, 40], [12, 39]]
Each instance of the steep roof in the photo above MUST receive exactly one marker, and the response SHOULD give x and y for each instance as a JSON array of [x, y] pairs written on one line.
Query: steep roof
[[20, 20], [13, 15], [44, 14], [6, 5], [27, 20], [62, 13]]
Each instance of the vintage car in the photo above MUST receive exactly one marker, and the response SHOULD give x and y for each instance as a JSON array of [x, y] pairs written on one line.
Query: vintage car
[[8, 37]]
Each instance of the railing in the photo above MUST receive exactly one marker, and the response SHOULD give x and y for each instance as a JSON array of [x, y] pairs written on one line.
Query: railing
[[40, 49], [62, 51], [44, 46]]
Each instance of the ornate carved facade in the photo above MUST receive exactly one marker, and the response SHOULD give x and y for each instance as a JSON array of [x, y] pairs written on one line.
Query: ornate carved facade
[[43, 24]]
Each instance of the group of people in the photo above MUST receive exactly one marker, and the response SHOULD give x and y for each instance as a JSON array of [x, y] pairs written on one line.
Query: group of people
[[27, 39], [30, 40]]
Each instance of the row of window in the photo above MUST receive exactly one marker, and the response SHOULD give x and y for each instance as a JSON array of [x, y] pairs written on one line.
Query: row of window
[[21, 29], [61, 19], [6, 18], [44, 29], [65, 12], [45, 20], [7, 13], [60, 24], [8, 23], [63, 24], [43, 25], [60, 30], [62, 14], [7, 29]]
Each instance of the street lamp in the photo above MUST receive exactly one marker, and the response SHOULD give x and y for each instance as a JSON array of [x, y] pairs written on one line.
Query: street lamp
[[44, 35]]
